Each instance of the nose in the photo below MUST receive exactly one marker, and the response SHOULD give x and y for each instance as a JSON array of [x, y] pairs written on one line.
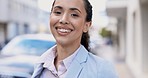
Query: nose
[[64, 19]]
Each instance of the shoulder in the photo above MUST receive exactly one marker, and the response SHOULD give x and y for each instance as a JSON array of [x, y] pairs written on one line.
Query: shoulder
[[105, 69]]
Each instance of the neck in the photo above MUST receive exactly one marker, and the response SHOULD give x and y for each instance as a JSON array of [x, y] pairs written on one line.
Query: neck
[[65, 51]]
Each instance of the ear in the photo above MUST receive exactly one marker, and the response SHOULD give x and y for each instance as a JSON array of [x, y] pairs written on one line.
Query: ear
[[87, 26]]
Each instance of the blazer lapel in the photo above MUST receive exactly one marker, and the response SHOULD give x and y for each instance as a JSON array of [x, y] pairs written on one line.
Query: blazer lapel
[[78, 63], [74, 70], [37, 71]]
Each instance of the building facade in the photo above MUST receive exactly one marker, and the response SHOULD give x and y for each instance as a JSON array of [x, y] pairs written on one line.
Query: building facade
[[132, 33], [17, 17]]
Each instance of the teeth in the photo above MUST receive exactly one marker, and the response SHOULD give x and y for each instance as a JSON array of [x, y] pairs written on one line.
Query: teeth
[[64, 30]]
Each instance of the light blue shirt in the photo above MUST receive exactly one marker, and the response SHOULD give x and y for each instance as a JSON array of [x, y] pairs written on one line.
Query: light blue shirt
[[85, 65]]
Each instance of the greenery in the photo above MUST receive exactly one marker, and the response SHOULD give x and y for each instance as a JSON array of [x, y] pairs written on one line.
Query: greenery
[[105, 33]]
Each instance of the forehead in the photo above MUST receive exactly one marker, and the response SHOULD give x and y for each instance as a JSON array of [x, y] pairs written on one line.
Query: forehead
[[70, 4]]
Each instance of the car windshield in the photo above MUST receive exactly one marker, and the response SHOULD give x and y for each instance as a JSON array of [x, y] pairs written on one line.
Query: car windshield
[[29, 47]]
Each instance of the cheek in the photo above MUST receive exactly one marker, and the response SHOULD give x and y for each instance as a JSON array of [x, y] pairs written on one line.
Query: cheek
[[79, 25], [51, 24], [53, 20]]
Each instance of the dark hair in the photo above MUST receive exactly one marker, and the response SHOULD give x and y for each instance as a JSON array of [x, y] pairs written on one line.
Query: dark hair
[[85, 35]]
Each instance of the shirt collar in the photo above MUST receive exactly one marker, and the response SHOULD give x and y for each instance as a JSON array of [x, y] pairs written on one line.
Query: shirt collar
[[48, 57], [67, 61]]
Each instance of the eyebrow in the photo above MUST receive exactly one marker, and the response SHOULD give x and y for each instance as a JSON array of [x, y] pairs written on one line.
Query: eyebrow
[[70, 8], [75, 9], [58, 7]]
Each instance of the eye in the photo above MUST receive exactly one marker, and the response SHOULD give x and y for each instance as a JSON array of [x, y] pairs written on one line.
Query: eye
[[57, 12], [75, 15]]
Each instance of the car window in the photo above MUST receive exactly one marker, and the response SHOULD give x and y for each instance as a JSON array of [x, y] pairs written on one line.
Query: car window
[[29, 47]]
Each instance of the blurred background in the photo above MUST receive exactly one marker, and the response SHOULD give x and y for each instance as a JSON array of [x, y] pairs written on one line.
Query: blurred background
[[118, 32]]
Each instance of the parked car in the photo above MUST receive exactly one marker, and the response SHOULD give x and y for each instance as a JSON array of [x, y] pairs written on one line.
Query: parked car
[[18, 57]]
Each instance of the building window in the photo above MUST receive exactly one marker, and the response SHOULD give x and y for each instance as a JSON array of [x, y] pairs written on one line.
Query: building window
[[26, 29]]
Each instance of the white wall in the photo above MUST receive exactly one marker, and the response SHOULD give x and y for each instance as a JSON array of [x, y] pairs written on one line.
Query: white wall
[[135, 39], [3, 10], [144, 11], [23, 11]]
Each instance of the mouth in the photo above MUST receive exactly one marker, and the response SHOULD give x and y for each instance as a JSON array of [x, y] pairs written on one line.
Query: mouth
[[63, 31]]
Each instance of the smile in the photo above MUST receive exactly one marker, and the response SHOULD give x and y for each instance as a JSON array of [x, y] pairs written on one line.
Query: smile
[[63, 31]]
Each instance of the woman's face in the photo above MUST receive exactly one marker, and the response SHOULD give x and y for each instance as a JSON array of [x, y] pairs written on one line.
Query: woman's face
[[67, 21]]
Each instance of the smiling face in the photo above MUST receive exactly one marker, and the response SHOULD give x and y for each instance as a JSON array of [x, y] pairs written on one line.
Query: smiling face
[[68, 21]]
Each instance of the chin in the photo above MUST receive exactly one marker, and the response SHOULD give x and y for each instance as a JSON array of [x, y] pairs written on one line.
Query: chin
[[62, 41]]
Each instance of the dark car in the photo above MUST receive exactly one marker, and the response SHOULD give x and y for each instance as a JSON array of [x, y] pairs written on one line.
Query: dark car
[[18, 57]]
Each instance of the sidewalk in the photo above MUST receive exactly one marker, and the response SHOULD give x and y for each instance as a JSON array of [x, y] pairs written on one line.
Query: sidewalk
[[109, 53]]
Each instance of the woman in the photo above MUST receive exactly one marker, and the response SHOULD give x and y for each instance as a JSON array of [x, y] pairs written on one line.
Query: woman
[[69, 58]]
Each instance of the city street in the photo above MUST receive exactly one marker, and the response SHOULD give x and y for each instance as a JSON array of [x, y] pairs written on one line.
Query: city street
[[122, 23], [109, 53]]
